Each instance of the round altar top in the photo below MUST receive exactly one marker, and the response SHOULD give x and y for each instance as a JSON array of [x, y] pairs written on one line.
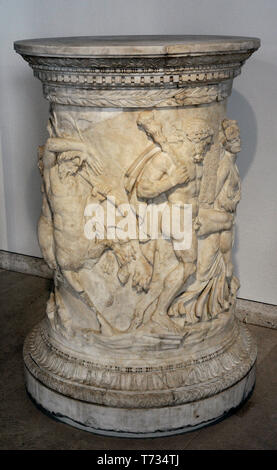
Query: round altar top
[[105, 46]]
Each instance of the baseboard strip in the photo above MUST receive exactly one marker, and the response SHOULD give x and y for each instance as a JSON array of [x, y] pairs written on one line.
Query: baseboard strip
[[257, 313], [24, 264]]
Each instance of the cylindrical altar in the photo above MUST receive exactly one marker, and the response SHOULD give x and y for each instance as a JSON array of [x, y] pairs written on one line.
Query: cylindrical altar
[[140, 188]]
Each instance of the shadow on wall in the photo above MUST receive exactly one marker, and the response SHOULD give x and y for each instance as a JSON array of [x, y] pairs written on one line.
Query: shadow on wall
[[239, 108], [33, 133]]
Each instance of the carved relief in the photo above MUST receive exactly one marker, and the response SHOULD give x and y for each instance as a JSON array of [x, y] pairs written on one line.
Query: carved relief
[[133, 63], [215, 286], [140, 188], [143, 386], [175, 172], [139, 98], [122, 74], [168, 288]]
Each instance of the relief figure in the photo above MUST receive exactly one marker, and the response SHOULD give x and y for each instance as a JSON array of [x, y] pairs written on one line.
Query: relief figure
[[174, 171], [215, 286]]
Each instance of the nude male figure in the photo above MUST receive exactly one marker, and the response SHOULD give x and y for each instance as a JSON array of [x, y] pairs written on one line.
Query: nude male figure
[[176, 171], [69, 184]]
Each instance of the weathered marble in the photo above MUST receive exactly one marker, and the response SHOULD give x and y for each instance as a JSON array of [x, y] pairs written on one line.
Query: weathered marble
[[139, 325]]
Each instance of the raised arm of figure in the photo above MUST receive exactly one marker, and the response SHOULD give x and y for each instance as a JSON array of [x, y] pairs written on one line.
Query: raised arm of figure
[[160, 175], [60, 145]]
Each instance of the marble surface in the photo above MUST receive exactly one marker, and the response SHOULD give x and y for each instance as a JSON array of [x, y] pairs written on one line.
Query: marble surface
[[133, 45], [149, 318], [137, 423]]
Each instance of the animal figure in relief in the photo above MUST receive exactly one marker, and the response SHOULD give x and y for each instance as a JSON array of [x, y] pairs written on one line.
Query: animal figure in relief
[[73, 179], [200, 284]]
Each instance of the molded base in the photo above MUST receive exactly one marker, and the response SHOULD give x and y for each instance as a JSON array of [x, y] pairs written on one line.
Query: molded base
[[140, 423]]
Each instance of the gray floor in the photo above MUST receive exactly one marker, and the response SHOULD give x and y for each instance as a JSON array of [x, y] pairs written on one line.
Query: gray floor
[[23, 426]]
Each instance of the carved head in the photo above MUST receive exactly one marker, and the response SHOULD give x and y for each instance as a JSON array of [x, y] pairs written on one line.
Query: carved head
[[200, 134], [153, 128], [231, 136]]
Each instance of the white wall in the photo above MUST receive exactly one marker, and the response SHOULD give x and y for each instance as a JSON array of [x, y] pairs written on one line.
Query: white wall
[[23, 111]]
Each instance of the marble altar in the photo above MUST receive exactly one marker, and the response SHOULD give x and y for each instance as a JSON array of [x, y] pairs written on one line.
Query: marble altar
[[140, 337]]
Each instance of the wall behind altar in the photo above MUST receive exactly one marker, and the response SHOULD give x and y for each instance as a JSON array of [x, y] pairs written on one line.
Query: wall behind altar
[[23, 112]]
